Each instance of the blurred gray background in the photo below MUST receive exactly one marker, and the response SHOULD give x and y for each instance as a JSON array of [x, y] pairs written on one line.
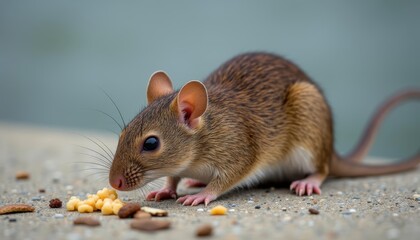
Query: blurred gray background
[[55, 56]]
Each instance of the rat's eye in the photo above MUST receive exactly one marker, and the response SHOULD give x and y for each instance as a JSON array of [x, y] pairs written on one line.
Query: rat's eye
[[151, 143]]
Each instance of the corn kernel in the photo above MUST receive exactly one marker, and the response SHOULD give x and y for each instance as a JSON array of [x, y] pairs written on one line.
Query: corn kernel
[[218, 210], [71, 205], [99, 204], [116, 207], [107, 209], [85, 208]]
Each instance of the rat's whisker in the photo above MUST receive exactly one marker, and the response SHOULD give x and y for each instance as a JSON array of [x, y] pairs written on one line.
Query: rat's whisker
[[109, 150], [92, 150], [108, 115], [115, 105], [101, 163], [97, 144], [105, 167]]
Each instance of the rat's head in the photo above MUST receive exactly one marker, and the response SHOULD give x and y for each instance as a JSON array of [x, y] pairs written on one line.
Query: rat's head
[[160, 140]]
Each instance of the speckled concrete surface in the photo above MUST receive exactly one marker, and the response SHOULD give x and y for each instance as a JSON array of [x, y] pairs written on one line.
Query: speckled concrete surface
[[362, 208]]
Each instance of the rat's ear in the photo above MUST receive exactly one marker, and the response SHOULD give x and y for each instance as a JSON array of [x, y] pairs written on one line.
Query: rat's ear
[[191, 103], [159, 85]]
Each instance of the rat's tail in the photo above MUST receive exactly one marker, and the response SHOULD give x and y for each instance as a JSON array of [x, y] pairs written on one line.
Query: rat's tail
[[349, 166], [372, 128]]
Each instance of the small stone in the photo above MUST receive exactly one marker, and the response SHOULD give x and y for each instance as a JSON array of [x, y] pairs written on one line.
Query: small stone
[[12, 220], [257, 207], [37, 198], [313, 211], [58, 215], [69, 187], [231, 210], [41, 190], [284, 209], [250, 201], [352, 210], [200, 210], [339, 193], [204, 230]]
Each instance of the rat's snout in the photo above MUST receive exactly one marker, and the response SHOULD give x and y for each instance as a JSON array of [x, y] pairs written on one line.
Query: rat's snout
[[118, 182]]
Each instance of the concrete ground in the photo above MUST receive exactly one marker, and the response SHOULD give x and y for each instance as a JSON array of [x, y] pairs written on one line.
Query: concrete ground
[[360, 208]]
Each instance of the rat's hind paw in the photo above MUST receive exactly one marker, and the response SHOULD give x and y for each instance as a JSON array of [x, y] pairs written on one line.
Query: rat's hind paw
[[305, 187], [193, 183], [193, 200], [165, 193]]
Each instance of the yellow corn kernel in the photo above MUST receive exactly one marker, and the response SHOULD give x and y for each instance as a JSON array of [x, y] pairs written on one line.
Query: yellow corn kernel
[[99, 204], [116, 207], [90, 201], [107, 209], [218, 210], [80, 203], [117, 201], [71, 205], [85, 208], [102, 194]]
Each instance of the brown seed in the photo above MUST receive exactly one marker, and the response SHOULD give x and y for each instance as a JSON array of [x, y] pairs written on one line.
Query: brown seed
[[313, 211], [128, 210], [55, 203], [88, 221], [15, 208], [204, 230], [22, 175], [41, 190], [149, 224], [142, 215]]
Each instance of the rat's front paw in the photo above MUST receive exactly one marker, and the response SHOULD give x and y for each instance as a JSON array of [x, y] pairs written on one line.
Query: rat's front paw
[[193, 200], [305, 187], [165, 193]]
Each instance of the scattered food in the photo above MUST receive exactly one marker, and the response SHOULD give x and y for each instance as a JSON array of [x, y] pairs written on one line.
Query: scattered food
[[16, 208], [313, 211], [204, 230], [88, 221], [41, 190], [142, 215], [105, 200], [128, 210], [55, 203], [218, 210], [150, 225], [155, 211], [22, 175]]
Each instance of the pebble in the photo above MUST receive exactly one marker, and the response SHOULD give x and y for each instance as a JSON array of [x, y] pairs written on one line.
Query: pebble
[[257, 207], [58, 215], [231, 210], [339, 193], [250, 201], [200, 210], [69, 187], [352, 210], [37, 198], [313, 211], [12, 220], [204, 230], [284, 209]]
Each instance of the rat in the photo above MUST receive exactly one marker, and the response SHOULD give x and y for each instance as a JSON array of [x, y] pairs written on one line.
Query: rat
[[256, 118]]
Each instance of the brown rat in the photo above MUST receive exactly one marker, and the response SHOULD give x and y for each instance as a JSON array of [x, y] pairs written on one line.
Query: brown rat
[[258, 117]]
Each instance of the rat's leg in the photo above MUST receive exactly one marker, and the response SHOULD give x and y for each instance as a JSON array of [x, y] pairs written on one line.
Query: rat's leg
[[308, 185], [194, 183], [167, 192], [213, 190]]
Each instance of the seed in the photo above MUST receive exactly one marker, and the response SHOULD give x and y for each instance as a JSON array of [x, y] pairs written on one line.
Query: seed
[[149, 225], [22, 175], [128, 210], [204, 230], [88, 221], [14, 208], [313, 211], [55, 203]]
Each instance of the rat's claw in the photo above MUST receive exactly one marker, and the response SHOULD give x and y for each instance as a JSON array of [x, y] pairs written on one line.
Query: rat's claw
[[196, 199], [305, 187], [165, 193]]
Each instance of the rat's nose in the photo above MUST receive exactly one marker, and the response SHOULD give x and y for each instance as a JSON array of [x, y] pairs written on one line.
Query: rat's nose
[[118, 182]]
